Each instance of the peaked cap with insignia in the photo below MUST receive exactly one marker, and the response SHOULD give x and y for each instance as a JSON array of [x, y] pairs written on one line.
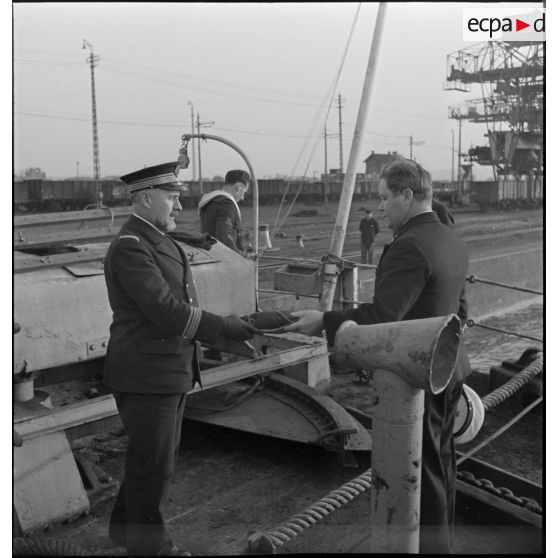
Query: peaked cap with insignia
[[163, 176]]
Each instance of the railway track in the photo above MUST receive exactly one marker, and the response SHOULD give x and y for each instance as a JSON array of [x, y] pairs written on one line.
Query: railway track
[[468, 238]]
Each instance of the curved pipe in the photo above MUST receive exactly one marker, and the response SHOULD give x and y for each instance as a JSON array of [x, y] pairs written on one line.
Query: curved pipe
[[255, 191]]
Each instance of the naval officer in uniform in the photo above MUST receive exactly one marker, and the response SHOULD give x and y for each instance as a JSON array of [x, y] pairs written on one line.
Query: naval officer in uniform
[[151, 357]]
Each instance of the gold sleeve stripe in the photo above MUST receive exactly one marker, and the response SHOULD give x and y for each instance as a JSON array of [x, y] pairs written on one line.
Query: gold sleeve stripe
[[193, 323], [128, 236]]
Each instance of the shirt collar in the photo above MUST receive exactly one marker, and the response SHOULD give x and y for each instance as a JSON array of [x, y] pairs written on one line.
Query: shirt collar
[[146, 221], [425, 217]]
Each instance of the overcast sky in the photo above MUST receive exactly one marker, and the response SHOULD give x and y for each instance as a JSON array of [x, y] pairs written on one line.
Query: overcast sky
[[261, 72]]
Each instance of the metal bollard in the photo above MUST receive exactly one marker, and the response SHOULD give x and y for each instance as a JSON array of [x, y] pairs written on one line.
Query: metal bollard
[[264, 240]]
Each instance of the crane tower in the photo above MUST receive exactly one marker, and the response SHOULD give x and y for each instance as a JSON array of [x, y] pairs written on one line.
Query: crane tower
[[511, 78]]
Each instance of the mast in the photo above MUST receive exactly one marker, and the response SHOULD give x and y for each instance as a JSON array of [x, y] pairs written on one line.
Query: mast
[[338, 239]]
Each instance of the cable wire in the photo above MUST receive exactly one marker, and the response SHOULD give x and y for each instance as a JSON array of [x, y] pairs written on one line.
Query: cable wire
[[331, 95]]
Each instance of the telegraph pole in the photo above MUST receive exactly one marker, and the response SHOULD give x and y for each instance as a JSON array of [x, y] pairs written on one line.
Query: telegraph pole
[[339, 106], [452, 158], [191, 105], [459, 160], [411, 143], [201, 125], [325, 150], [325, 184], [92, 60]]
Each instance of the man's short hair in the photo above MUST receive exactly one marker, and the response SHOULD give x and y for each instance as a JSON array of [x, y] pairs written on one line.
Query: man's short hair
[[234, 176], [406, 173]]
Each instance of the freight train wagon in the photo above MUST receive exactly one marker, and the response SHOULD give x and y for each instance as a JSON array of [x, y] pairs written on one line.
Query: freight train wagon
[[69, 195], [66, 195], [507, 193]]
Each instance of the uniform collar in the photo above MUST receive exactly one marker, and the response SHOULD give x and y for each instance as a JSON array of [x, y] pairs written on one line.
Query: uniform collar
[[139, 225], [150, 224], [421, 218]]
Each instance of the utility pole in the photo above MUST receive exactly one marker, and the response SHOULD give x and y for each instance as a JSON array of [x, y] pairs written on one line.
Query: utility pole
[[339, 106], [325, 150], [452, 157], [411, 143], [459, 160], [77, 170], [191, 105], [92, 60], [201, 125], [325, 184]]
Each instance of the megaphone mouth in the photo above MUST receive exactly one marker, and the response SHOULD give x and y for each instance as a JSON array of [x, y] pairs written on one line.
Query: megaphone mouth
[[444, 355], [422, 352]]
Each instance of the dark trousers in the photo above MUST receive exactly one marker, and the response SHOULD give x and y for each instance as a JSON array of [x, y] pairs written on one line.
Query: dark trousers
[[153, 424], [366, 252], [437, 501]]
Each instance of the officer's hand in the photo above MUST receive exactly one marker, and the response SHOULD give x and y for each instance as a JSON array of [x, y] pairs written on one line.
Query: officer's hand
[[237, 329]]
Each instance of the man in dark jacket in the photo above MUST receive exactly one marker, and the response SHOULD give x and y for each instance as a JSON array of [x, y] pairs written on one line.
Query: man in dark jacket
[[421, 274], [151, 360], [369, 228], [219, 212]]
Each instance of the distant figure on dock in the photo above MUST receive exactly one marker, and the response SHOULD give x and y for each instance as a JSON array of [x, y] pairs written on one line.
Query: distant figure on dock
[[152, 359], [219, 212], [421, 274], [369, 228]]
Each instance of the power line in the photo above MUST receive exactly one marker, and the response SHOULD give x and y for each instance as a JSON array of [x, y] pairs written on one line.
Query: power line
[[217, 128], [157, 124], [188, 87], [217, 82], [153, 75]]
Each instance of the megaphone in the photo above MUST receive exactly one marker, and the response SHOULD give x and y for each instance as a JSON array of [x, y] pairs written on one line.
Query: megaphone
[[421, 352]]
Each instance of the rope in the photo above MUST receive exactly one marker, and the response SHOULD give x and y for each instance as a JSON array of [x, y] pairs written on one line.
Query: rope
[[471, 323], [510, 387], [498, 432], [475, 279], [280, 535], [319, 510]]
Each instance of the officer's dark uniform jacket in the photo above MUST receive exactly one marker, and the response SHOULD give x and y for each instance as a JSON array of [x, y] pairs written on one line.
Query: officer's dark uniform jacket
[[220, 218], [155, 322]]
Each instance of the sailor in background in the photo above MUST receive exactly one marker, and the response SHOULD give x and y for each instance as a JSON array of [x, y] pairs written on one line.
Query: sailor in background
[[369, 228], [219, 212], [151, 360], [421, 274]]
